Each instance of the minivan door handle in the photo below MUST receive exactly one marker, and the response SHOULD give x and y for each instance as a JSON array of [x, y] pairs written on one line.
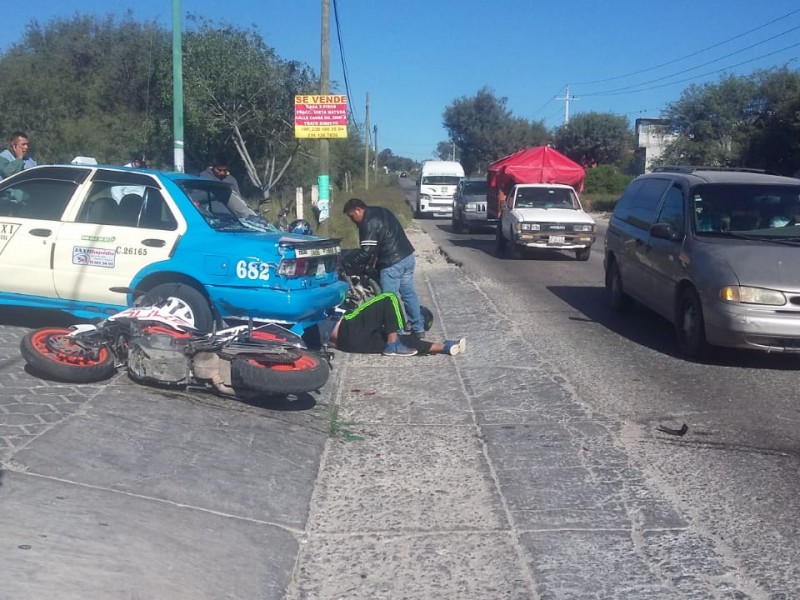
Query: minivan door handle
[[154, 243]]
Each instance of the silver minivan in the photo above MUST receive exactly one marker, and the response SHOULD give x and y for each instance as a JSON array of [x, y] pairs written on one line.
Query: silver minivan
[[715, 251]]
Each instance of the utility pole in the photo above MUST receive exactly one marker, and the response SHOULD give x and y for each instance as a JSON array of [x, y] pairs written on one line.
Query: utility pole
[[323, 180], [454, 151], [177, 87], [375, 140], [366, 147], [566, 99]]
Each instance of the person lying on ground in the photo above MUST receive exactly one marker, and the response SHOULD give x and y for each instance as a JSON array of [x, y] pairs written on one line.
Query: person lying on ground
[[372, 328]]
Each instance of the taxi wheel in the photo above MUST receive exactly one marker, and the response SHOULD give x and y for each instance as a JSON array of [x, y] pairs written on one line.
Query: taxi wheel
[[198, 303], [307, 373], [51, 353]]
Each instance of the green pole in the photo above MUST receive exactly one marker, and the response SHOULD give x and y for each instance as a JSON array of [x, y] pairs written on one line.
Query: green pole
[[177, 86]]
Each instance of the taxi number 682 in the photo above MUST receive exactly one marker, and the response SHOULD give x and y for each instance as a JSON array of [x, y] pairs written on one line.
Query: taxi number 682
[[252, 270]]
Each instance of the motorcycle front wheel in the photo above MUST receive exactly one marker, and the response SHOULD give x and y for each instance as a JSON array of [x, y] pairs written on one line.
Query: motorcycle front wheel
[[307, 373], [51, 353]]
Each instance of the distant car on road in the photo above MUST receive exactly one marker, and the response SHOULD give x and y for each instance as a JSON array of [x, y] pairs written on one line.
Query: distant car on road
[[69, 233], [469, 205], [714, 251]]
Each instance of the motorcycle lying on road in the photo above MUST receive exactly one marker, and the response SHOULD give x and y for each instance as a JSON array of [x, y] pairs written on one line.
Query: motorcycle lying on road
[[159, 345]]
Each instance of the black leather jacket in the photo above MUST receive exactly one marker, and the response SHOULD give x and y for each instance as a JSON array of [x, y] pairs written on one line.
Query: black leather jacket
[[381, 237]]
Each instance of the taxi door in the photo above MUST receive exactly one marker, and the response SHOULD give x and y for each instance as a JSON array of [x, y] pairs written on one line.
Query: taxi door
[[110, 241], [31, 209]]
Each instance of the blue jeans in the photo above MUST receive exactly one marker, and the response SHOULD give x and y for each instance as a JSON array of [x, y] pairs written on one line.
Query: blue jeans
[[399, 278]]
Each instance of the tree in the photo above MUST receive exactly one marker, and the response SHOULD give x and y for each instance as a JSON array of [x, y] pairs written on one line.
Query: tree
[[484, 130], [714, 123], [595, 138], [239, 92], [86, 86], [775, 142]]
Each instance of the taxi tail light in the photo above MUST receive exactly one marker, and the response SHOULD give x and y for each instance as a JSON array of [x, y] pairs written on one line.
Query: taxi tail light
[[293, 267]]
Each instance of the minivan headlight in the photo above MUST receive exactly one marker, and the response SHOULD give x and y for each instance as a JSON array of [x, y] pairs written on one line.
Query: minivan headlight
[[752, 295], [471, 206]]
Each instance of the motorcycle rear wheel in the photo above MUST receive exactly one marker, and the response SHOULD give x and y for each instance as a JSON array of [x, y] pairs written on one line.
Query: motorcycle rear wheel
[[53, 355], [307, 373]]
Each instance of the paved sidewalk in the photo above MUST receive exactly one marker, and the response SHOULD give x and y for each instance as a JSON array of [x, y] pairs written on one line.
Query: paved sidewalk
[[478, 476]]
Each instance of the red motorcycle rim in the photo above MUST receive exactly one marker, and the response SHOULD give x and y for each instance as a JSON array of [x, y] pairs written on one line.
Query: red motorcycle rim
[[55, 345]]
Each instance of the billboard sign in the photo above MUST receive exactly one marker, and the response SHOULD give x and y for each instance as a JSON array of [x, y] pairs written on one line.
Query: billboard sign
[[320, 116]]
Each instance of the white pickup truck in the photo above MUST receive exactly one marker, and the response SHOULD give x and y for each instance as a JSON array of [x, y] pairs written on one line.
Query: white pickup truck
[[544, 215]]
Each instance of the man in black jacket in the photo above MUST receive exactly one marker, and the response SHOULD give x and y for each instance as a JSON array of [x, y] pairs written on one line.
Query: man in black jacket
[[382, 238]]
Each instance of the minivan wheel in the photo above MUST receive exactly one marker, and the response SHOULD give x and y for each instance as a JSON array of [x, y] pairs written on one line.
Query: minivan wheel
[[617, 298], [690, 326]]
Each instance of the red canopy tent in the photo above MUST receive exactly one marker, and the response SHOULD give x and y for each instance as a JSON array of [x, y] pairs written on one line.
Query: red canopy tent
[[540, 164]]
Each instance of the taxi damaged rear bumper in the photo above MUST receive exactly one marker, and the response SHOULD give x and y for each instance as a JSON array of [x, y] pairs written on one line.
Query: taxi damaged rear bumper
[[269, 304]]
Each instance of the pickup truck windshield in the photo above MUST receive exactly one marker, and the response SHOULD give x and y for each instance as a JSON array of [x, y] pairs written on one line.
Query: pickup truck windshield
[[545, 198]]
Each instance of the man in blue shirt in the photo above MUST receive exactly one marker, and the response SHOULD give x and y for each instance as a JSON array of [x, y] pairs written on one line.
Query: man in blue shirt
[[15, 158]]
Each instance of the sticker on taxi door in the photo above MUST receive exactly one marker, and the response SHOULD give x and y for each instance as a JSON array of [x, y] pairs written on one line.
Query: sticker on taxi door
[[94, 257]]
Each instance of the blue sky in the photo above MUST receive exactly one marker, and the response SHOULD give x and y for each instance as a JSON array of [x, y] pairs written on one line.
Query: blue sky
[[416, 57]]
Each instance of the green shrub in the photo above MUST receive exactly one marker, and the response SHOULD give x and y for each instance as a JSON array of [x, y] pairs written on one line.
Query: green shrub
[[599, 202], [606, 179]]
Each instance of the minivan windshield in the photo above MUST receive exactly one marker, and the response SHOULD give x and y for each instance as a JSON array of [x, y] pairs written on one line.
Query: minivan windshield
[[760, 210]]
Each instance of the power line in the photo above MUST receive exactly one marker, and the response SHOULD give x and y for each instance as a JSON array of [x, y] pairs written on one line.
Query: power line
[[736, 37], [637, 85], [351, 110], [627, 90]]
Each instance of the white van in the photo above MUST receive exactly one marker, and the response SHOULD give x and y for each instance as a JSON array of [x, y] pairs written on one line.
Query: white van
[[436, 187]]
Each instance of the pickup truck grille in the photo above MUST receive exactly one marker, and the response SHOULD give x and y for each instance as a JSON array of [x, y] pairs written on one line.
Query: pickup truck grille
[[556, 227]]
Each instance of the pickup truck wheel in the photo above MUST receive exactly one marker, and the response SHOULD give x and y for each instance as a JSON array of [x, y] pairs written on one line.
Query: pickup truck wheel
[[500, 242], [583, 253], [517, 251]]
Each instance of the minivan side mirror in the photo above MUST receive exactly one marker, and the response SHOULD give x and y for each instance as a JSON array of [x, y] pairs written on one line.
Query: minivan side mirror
[[664, 231]]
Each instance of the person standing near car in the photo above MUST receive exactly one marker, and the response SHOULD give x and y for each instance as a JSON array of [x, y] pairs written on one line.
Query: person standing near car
[[383, 240], [15, 158], [219, 170]]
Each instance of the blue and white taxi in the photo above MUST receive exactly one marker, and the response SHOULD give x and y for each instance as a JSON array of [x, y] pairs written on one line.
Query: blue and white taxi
[[71, 233]]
